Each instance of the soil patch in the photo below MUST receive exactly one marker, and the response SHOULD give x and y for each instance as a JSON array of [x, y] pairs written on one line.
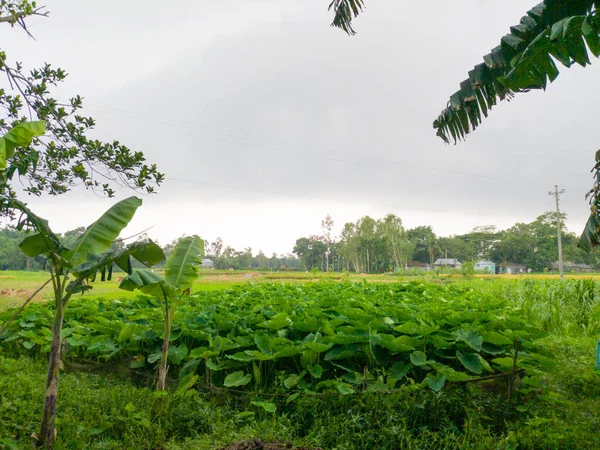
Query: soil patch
[[257, 444], [21, 293]]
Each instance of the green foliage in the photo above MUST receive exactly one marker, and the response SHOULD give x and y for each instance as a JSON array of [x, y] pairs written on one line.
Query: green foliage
[[400, 332], [66, 155]]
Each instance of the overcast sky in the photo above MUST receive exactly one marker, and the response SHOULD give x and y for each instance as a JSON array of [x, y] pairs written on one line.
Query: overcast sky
[[264, 119]]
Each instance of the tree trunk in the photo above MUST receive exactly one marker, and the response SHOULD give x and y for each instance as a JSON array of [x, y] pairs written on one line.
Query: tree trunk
[[163, 368], [47, 432]]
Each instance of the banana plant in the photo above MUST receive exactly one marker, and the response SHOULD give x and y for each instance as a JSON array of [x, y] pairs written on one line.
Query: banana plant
[[181, 271], [71, 268]]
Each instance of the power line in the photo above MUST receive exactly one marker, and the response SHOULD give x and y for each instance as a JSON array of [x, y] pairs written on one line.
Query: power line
[[313, 197], [247, 139]]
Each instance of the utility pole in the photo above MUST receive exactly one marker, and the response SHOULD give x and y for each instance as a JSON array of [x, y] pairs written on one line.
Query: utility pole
[[556, 194]]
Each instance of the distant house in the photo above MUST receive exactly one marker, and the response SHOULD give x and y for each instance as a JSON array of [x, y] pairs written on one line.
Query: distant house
[[582, 268], [418, 265], [449, 263], [207, 263], [572, 267], [512, 268], [485, 266]]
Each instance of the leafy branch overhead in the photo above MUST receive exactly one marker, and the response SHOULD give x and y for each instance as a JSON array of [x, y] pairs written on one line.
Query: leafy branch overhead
[[65, 156], [345, 11], [554, 30]]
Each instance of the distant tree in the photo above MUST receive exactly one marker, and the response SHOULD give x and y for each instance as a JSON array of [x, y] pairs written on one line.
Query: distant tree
[[425, 242], [327, 225], [311, 251]]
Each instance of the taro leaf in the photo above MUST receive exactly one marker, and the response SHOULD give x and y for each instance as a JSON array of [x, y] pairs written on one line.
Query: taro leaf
[[318, 347], [203, 353], [495, 338], [378, 386], [292, 398], [492, 349], [214, 366], [342, 353], [277, 322], [471, 361], [154, 357], [263, 342], [450, 373], [504, 363], [418, 358], [344, 389], [137, 362], [237, 379], [267, 406], [189, 368], [397, 372], [408, 328], [435, 382], [177, 353], [353, 378], [240, 356], [472, 338], [399, 344], [186, 383], [316, 371], [293, 380]]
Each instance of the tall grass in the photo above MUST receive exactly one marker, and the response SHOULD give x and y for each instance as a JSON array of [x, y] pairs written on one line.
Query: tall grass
[[567, 308]]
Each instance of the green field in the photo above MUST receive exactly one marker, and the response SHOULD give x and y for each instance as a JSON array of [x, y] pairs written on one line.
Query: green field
[[318, 361]]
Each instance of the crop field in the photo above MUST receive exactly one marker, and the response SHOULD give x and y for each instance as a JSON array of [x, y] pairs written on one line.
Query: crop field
[[314, 361]]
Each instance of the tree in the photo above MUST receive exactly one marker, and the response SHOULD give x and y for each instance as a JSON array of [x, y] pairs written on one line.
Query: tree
[[327, 225], [181, 271], [65, 156], [425, 242], [554, 30], [81, 260], [311, 251]]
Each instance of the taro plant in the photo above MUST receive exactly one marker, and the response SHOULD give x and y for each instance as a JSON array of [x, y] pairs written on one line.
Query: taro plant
[[71, 268], [181, 271]]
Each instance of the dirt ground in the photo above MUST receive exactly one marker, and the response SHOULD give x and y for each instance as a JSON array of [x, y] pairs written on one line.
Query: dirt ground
[[257, 444]]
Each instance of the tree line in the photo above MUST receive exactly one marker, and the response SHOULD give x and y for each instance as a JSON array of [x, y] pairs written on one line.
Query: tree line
[[372, 246]]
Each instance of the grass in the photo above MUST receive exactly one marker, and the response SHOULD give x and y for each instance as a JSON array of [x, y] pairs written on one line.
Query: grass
[[17, 286], [112, 410]]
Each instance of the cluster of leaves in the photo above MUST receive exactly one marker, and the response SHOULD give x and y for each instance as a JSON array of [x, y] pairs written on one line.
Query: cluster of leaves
[[345, 337], [65, 156]]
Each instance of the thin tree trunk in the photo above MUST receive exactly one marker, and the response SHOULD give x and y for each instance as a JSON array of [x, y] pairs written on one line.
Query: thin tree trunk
[[47, 432], [163, 368]]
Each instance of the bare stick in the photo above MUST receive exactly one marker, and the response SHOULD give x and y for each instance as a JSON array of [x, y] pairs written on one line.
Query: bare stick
[[17, 312]]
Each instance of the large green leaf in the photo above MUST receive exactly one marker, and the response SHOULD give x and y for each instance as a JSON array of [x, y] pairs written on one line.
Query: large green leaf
[[100, 235], [44, 241], [345, 12], [146, 252], [147, 282], [552, 30], [19, 136], [471, 361], [237, 379], [182, 266]]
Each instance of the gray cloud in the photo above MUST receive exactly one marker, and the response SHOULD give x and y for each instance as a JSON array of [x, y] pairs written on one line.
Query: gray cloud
[[271, 106]]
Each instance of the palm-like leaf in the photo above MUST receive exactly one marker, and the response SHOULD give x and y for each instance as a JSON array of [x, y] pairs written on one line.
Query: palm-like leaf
[[345, 11], [146, 252], [524, 60], [100, 235], [182, 266], [147, 282]]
